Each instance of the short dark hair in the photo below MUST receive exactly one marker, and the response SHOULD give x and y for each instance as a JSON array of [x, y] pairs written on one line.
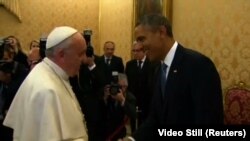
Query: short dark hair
[[155, 21], [110, 42]]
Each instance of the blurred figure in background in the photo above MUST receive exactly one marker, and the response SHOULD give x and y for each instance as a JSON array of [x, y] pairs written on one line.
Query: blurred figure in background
[[108, 62], [34, 57], [12, 74], [34, 44], [119, 107], [20, 56], [88, 87], [138, 72]]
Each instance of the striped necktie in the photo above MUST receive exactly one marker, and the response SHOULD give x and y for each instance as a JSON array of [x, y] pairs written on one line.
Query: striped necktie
[[139, 64], [163, 78], [108, 61]]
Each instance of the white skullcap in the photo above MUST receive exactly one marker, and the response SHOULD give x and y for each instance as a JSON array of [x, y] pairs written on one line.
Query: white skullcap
[[59, 34]]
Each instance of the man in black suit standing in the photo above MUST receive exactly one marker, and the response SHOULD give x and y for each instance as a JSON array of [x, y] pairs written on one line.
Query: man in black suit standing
[[138, 73], [88, 87], [109, 62], [187, 87]]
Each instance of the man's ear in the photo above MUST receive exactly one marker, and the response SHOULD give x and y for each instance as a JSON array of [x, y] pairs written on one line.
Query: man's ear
[[163, 30], [61, 52]]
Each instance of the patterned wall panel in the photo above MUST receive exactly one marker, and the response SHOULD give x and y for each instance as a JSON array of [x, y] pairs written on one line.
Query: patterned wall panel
[[219, 29], [40, 17], [13, 7], [116, 25]]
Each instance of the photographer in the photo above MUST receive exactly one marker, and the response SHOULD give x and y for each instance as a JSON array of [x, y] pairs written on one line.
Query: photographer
[[20, 56], [12, 75], [119, 106]]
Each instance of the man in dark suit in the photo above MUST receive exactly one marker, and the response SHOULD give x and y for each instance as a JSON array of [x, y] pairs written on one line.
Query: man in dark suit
[[119, 107], [109, 62], [138, 73], [12, 74], [88, 87], [187, 87]]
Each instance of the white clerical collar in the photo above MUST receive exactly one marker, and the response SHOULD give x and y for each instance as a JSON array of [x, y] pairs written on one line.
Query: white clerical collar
[[170, 56], [143, 59], [60, 72]]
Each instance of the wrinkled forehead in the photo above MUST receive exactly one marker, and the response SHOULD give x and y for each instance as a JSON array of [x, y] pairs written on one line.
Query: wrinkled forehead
[[123, 82], [77, 42], [109, 45]]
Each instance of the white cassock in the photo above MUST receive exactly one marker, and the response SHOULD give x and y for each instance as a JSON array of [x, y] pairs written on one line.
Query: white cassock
[[45, 107]]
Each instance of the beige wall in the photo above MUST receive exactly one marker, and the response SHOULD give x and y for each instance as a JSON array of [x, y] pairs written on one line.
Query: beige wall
[[40, 17], [111, 18], [221, 30], [116, 25]]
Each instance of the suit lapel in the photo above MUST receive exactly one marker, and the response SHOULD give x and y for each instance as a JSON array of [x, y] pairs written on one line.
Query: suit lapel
[[173, 76], [145, 63]]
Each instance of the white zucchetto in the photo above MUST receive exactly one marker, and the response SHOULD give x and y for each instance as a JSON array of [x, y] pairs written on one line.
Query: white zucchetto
[[59, 34]]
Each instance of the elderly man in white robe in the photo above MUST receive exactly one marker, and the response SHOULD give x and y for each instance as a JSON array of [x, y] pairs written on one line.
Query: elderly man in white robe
[[45, 107]]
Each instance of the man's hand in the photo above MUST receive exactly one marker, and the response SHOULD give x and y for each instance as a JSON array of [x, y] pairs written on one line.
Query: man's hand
[[119, 97]]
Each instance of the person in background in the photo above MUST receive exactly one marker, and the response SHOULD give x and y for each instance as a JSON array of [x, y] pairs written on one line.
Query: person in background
[[12, 74], [34, 44], [138, 73], [7, 54], [187, 88], [88, 87], [108, 62], [34, 57], [45, 107], [20, 56], [119, 108]]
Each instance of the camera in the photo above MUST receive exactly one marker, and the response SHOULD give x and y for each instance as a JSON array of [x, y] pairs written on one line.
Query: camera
[[114, 85], [8, 41], [87, 36], [42, 44], [5, 43], [8, 67]]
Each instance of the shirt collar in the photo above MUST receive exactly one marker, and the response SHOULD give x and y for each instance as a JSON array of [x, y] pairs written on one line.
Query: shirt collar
[[58, 70], [105, 57], [170, 56], [143, 59]]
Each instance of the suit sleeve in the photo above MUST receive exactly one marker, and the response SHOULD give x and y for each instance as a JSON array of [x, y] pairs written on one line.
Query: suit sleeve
[[147, 131], [120, 65], [130, 105]]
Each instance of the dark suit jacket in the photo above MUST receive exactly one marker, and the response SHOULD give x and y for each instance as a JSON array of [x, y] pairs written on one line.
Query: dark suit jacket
[[138, 84], [114, 116], [89, 92], [19, 73], [193, 95], [115, 65]]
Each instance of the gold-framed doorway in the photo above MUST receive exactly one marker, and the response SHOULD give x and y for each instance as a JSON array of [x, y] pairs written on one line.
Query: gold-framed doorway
[[142, 7]]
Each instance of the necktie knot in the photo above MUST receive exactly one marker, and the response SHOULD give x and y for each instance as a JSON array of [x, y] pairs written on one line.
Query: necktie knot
[[108, 61], [164, 68]]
